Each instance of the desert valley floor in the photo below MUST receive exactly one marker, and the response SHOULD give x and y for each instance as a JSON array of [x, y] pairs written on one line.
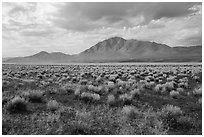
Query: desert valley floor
[[101, 99]]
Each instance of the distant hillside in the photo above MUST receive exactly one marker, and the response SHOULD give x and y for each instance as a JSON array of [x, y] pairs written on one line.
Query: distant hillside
[[41, 57], [117, 49], [6, 58]]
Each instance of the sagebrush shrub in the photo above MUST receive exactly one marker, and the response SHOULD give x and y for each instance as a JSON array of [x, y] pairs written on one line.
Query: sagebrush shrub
[[183, 85], [90, 96], [91, 87], [77, 92], [111, 99], [83, 82], [171, 110], [35, 96], [4, 100], [150, 85], [126, 129], [98, 79], [18, 104], [69, 88], [99, 90], [130, 112], [164, 89], [110, 85], [53, 117], [200, 100], [197, 91], [137, 122], [184, 122], [158, 88], [169, 115], [86, 96], [52, 105], [150, 124], [5, 84], [121, 83], [126, 98], [169, 85], [180, 90], [174, 94], [135, 92], [96, 97]]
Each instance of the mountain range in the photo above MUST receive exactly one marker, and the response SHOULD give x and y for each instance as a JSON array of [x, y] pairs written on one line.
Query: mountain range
[[117, 49]]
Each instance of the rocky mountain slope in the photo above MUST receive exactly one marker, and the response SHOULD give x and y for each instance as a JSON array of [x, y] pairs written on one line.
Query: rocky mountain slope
[[117, 49]]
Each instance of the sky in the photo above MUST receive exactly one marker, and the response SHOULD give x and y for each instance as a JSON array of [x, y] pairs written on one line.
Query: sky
[[28, 28]]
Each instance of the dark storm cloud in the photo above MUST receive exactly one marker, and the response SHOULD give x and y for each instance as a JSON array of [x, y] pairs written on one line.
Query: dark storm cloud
[[74, 24], [119, 12], [113, 19], [172, 10], [96, 11]]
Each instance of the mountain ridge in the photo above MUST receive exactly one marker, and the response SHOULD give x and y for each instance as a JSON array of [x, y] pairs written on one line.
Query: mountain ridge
[[119, 50]]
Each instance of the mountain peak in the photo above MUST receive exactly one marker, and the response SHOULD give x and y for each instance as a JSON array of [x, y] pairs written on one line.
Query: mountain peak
[[119, 49], [116, 38], [43, 52], [108, 45]]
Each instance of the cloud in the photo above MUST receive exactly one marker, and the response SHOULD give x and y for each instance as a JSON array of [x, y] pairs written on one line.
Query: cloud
[[95, 11], [28, 28], [172, 10], [118, 12]]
